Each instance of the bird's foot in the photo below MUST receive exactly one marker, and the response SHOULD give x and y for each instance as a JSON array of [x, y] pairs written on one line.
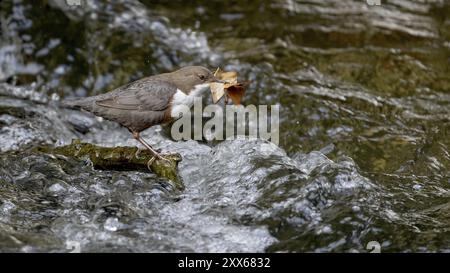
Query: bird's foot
[[166, 158], [150, 162], [157, 156], [162, 157], [172, 156]]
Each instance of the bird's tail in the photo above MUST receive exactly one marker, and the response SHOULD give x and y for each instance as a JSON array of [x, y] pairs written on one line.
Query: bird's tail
[[77, 103]]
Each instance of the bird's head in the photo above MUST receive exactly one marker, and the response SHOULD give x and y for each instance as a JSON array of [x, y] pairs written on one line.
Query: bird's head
[[193, 79]]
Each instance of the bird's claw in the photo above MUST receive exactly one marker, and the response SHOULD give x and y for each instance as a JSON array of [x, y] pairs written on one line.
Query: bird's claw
[[157, 157], [150, 162], [163, 158]]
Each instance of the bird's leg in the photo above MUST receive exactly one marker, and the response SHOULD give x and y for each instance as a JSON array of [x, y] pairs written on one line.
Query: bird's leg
[[158, 153], [146, 145]]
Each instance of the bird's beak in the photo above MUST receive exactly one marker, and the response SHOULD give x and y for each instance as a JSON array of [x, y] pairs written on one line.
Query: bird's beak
[[214, 79]]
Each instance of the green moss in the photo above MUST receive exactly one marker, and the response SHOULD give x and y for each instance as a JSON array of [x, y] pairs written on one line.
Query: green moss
[[120, 158]]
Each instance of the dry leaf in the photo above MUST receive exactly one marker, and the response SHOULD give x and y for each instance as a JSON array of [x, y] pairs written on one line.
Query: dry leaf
[[217, 91], [232, 88], [236, 92]]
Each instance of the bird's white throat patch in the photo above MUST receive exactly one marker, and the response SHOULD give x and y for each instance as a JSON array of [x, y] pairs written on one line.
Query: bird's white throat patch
[[180, 99]]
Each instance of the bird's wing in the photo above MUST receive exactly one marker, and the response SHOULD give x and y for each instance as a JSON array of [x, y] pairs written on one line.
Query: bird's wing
[[147, 95]]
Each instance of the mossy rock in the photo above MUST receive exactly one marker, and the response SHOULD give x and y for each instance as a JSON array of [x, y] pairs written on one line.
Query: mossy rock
[[120, 158]]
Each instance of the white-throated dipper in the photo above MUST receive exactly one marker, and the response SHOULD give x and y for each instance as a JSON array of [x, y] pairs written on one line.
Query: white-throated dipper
[[149, 101]]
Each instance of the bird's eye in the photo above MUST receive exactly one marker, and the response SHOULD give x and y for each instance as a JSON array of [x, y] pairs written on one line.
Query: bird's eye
[[202, 77]]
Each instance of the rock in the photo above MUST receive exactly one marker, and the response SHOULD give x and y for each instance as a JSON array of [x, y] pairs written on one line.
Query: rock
[[120, 158], [28, 122]]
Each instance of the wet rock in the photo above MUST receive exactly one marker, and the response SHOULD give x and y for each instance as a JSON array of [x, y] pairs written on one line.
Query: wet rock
[[27, 123], [128, 197], [120, 158]]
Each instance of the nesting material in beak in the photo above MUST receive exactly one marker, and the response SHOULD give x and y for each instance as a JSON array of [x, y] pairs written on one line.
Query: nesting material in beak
[[227, 83], [217, 80]]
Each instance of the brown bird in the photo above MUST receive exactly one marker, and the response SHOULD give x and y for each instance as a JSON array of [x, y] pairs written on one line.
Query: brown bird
[[149, 101]]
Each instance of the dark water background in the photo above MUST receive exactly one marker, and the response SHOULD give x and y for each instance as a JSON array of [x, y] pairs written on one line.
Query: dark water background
[[364, 135]]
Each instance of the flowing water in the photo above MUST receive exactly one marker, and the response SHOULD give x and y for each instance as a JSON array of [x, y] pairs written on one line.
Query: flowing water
[[364, 95]]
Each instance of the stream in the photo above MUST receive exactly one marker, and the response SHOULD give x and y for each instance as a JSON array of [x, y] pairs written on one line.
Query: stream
[[364, 150]]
